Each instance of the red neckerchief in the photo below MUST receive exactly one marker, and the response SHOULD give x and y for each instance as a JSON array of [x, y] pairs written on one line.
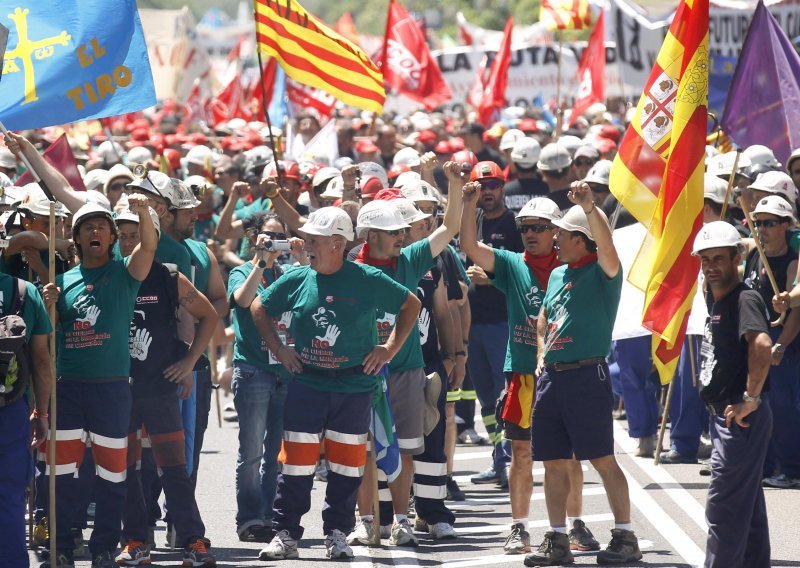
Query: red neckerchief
[[584, 261], [205, 216], [542, 266], [364, 258]]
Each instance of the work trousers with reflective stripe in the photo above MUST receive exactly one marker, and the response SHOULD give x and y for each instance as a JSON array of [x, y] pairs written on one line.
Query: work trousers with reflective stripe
[[161, 418], [99, 412], [342, 421]]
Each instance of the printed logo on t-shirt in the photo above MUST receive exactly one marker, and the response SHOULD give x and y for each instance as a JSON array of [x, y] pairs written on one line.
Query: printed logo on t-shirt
[[385, 326], [707, 359], [321, 354], [424, 318], [533, 297], [82, 333]]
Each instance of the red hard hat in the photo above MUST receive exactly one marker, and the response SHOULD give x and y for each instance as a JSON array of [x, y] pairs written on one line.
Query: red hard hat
[[173, 157], [395, 171], [465, 157], [486, 170], [290, 170]]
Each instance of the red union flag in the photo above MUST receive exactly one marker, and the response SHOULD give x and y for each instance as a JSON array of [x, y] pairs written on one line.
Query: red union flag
[[308, 97], [406, 61], [591, 72]]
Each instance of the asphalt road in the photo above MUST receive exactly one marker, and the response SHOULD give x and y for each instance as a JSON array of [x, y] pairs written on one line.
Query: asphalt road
[[667, 513]]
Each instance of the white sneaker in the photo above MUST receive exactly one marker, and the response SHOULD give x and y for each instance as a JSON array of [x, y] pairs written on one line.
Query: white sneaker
[[472, 438], [441, 531], [402, 535], [282, 547], [364, 533], [336, 545]]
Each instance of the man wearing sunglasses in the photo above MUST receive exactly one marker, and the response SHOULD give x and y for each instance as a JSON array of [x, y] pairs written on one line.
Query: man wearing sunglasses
[[523, 278]]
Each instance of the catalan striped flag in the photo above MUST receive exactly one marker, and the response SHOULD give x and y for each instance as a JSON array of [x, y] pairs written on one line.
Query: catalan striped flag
[[314, 54], [565, 14], [658, 176]]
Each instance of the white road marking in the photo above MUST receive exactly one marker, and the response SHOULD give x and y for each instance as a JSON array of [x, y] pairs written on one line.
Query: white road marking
[[537, 471], [537, 496], [541, 523]]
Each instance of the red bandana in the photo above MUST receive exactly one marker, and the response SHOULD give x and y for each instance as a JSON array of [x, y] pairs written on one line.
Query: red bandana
[[364, 258], [584, 261], [542, 266]]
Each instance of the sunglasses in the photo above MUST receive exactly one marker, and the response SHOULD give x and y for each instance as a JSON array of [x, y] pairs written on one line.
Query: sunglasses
[[769, 223], [395, 232], [536, 228], [275, 236], [493, 185], [119, 186]]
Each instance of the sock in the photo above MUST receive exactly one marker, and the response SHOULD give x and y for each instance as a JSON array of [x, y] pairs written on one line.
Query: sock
[[368, 518], [571, 521], [624, 526], [523, 522], [562, 529], [400, 518]]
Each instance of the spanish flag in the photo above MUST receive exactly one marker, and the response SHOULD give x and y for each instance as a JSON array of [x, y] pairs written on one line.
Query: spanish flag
[[313, 54], [657, 175], [565, 14]]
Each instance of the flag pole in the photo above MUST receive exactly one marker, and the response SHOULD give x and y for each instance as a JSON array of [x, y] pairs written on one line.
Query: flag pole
[[663, 428], [51, 513], [730, 184], [559, 112], [266, 115]]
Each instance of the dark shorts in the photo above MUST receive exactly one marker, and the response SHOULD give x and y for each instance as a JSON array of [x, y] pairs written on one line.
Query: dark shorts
[[572, 414], [514, 432]]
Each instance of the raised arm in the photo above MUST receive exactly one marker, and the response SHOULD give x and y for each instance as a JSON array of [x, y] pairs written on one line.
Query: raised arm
[[481, 254], [442, 236], [285, 211], [141, 259], [228, 227], [581, 194]]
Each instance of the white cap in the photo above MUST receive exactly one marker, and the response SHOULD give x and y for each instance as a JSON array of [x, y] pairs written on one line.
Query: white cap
[[139, 155], [87, 211], [408, 210], [554, 157], [156, 183], [776, 182], [95, 179], [7, 158], [510, 138], [599, 173], [180, 196], [374, 169], [325, 174], [717, 234], [571, 143], [406, 156], [329, 221], [407, 178], [117, 171], [381, 215], [96, 197], [335, 189], [420, 191], [199, 155], [759, 154], [36, 202], [575, 220], [129, 216], [714, 188], [106, 151], [526, 152], [540, 208], [722, 165], [775, 205]]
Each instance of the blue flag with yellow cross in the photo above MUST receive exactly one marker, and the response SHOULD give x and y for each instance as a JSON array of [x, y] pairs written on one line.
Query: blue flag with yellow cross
[[71, 60]]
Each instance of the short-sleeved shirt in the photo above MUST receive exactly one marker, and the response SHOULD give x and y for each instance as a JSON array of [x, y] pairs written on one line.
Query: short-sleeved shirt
[[34, 311], [524, 295], [522, 190], [334, 319], [452, 271], [200, 261], [723, 354], [204, 228], [581, 306], [249, 347], [95, 310], [170, 251]]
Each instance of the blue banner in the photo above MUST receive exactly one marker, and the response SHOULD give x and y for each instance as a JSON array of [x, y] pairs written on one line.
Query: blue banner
[[71, 60]]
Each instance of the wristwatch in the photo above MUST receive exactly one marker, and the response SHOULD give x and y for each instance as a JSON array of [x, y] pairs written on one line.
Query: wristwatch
[[262, 263], [779, 347], [747, 398]]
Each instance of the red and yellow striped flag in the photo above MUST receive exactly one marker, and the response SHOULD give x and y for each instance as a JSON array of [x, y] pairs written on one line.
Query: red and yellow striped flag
[[658, 176], [565, 14], [313, 54]]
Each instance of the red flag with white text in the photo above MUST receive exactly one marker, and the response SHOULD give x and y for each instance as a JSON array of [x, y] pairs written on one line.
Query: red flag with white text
[[493, 97], [591, 72]]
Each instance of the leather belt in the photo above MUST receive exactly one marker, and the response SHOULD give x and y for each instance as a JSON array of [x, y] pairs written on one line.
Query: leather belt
[[335, 373], [575, 364]]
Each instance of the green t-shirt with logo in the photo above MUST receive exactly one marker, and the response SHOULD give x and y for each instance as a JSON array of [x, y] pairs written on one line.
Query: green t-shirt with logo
[[334, 319], [249, 347], [34, 312], [95, 311], [200, 261], [414, 262], [524, 295], [581, 306]]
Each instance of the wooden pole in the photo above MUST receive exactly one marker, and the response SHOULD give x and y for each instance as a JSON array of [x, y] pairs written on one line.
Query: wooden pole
[[376, 503], [664, 418], [559, 113], [212, 358], [51, 448], [730, 184]]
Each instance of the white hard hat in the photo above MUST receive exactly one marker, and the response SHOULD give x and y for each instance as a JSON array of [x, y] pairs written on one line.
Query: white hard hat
[[258, 155], [555, 156], [325, 174], [794, 156], [717, 234], [714, 188], [335, 189], [329, 221], [95, 179], [526, 152], [407, 178], [759, 154], [98, 198], [722, 165], [776, 182], [180, 196], [381, 215], [575, 220], [406, 156], [374, 169], [129, 216], [510, 138], [117, 171], [540, 208], [420, 191], [711, 152], [155, 183], [36, 202], [88, 211], [197, 181], [199, 155], [599, 173], [571, 143], [139, 155], [7, 158], [774, 205], [106, 152], [409, 211]]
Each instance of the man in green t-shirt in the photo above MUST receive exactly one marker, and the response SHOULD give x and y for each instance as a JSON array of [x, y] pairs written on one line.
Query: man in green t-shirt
[[523, 277], [95, 307], [573, 405], [334, 305]]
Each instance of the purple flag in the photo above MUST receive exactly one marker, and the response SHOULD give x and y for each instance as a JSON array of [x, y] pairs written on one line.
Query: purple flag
[[763, 104]]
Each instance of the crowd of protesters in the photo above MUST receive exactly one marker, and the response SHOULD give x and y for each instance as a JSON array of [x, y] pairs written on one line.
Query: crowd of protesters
[[445, 259]]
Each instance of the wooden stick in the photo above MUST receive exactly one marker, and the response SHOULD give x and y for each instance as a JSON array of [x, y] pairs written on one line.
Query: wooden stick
[[51, 513], [212, 359], [691, 361], [730, 184], [376, 503], [664, 418], [559, 113]]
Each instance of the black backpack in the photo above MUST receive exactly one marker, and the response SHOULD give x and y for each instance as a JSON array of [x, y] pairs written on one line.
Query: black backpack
[[15, 365]]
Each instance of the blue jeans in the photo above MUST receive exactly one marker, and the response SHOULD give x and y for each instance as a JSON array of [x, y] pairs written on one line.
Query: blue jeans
[[259, 397], [16, 468], [688, 416], [640, 389]]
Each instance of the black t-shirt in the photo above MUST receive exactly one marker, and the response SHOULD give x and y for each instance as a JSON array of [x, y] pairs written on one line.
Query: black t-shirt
[[491, 155], [723, 361], [448, 264], [487, 303], [522, 190], [428, 334], [561, 199]]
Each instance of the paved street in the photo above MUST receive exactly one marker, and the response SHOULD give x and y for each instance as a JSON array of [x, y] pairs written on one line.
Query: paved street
[[668, 515]]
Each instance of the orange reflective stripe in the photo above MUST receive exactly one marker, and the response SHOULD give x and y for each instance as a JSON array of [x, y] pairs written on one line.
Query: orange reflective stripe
[[111, 459], [176, 436], [67, 451], [299, 453], [350, 455], [168, 449]]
